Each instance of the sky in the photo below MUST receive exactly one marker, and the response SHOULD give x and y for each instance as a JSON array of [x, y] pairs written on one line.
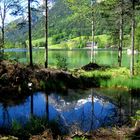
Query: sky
[[10, 18]]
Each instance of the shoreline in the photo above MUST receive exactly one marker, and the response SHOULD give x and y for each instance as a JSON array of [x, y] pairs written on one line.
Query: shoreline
[[17, 77], [65, 49]]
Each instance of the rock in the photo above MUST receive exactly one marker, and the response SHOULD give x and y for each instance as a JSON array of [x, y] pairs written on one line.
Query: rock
[[8, 138], [91, 66]]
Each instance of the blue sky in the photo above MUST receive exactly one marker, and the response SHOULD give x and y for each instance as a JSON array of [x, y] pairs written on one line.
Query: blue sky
[[10, 18]]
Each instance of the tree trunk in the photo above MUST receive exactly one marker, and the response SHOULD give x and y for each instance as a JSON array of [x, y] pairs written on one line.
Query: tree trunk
[[2, 46], [92, 45], [120, 36], [132, 38], [3, 34], [46, 33], [30, 34]]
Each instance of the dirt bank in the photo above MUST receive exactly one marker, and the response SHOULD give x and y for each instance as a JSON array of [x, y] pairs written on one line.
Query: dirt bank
[[18, 77]]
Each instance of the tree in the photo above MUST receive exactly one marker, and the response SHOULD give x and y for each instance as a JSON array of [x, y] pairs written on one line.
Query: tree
[[88, 10], [115, 11], [5, 8], [132, 36], [46, 32], [133, 4], [120, 33], [30, 9], [30, 32], [93, 30]]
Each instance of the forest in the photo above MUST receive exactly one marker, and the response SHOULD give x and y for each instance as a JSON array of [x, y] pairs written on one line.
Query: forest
[[69, 69]]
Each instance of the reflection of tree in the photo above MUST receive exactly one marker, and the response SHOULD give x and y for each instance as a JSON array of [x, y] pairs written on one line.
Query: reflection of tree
[[24, 54], [92, 110], [119, 107], [134, 101], [47, 107], [6, 116], [32, 105]]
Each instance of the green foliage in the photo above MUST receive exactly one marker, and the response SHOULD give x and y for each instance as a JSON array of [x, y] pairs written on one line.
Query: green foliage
[[61, 62], [64, 45], [82, 42], [103, 40], [58, 38], [127, 41], [137, 38], [33, 126], [114, 77], [9, 45], [36, 125], [16, 128], [137, 116], [40, 44], [42, 84], [137, 68]]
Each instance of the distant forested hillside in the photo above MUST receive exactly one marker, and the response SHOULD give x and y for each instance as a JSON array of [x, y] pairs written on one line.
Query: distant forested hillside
[[63, 23]]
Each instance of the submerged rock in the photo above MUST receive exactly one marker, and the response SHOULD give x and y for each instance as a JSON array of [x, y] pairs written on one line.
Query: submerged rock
[[91, 66]]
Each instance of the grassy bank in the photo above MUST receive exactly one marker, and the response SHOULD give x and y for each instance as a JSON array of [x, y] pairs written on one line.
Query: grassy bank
[[113, 77]]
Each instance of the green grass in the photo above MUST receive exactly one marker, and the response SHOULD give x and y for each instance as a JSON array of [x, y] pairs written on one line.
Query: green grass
[[77, 42], [114, 77], [41, 40]]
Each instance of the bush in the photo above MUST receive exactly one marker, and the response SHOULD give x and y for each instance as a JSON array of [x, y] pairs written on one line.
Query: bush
[[61, 62], [41, 44], [33, 126], [82, 43], [56, 39], [64, 45], [11, 45]]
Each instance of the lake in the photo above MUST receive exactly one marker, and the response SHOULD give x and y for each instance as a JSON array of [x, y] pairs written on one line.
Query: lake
[[73, 110], [75, 58]]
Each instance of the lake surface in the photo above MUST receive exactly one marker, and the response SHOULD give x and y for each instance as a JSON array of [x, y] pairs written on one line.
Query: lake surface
[[75, 59], [73, 110]]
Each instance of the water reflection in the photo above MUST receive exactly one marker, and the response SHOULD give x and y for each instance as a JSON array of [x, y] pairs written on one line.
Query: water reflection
[[77, 110], [75, 59]]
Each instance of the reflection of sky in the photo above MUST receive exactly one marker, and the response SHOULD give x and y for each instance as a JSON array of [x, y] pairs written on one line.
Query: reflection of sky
[[82, 113]]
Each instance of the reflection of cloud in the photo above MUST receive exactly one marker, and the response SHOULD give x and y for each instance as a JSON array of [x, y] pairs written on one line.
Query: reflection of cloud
[[61, 105]]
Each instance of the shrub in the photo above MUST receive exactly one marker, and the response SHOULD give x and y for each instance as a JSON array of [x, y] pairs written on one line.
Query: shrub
[[33, 126], [61, 62], [40, 44], [82, 43], [64, 45], [56, 39]]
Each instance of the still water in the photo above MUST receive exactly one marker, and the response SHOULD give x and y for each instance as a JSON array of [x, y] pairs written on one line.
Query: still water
[[73, 110], [74, 59]]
